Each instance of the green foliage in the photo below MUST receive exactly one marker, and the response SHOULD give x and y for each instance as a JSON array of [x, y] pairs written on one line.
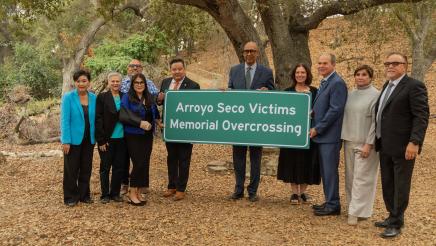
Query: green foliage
[[34, 68], [115, 56]]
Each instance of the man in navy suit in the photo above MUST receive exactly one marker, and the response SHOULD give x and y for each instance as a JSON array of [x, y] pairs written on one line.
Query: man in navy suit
[[251, 76], [328, 110]]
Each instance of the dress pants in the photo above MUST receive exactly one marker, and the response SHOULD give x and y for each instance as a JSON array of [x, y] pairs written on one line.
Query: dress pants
[[77, 172], [113, 157], [329, 162], [126, 169], [139, 147], [360, 179], [396, 177], [178, 161], [239, 164]]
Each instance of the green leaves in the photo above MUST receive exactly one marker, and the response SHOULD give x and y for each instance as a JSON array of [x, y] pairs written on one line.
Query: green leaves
[[115, 56]]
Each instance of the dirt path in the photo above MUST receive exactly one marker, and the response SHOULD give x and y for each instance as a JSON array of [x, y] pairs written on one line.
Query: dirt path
[[31, 209]]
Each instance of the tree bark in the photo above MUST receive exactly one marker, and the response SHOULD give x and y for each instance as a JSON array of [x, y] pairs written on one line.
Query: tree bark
[[421, 36], [235, 22], [73, 63]]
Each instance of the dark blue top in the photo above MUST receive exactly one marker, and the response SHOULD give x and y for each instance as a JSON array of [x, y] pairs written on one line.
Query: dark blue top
[[147, 114]]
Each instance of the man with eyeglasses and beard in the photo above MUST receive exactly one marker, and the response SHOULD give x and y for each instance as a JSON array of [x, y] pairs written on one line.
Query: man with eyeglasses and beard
[[134, 67], [402, 114]]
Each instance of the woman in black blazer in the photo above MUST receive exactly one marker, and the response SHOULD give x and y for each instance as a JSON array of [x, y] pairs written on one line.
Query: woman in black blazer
[[110, 139]]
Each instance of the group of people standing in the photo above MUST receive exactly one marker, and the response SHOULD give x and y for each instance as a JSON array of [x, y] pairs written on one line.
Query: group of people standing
[[386, 127]]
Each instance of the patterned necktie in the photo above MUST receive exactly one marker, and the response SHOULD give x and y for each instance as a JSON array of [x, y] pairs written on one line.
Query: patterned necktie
[[248, 78], [322, 85], [380, 111]]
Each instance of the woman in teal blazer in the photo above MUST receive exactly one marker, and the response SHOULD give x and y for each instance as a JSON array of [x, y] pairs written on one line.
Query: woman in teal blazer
[[77, 138]]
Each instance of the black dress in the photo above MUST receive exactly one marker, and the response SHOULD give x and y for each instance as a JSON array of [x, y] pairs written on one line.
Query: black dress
[[300, 166]]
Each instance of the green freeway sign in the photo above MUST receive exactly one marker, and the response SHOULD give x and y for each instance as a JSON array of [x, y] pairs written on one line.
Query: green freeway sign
[[256, 118]]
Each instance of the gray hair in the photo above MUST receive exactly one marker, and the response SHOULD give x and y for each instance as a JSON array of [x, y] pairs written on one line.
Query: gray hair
[[331, 55], [112, 74]]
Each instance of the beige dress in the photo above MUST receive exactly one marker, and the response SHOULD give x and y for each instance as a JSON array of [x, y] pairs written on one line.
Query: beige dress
[[358, 129]]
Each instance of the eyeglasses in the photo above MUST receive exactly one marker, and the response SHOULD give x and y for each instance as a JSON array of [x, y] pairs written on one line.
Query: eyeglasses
[[249, 51], [387, 64], [138, 83], [135, 65]]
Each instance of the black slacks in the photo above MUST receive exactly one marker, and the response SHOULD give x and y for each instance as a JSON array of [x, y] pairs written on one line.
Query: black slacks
[[396, 177], [114, 157], [178, 161], [140, 147], [77, 172], [239, 164]]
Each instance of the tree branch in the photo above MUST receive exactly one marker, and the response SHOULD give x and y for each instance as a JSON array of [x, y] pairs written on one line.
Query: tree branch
[[342, 7]]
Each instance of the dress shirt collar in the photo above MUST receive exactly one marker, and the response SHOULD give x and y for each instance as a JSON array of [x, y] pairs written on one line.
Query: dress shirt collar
[[328, 76], [253, 67], [395, 82]]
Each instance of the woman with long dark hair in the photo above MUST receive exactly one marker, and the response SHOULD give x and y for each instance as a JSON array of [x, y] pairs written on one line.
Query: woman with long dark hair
[[138, 114], [300, 167]]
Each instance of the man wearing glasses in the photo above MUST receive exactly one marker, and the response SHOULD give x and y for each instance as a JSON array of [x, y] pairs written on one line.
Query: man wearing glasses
[[249, 76], [402, 114], [133, 68]]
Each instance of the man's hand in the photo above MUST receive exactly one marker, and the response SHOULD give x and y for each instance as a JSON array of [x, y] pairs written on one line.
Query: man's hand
[[313, 132], [411, 151], [160, 97], [145, 125], [66, 148], [103, 147], [262, 89], [364, 152]]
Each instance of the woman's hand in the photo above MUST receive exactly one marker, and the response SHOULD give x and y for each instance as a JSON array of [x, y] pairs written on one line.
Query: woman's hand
[[103, 147], [160, 124], [145, 125], [364, 152], [66, 148]]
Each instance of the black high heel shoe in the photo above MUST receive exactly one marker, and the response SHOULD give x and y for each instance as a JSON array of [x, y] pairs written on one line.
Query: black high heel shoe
[[129, 201]]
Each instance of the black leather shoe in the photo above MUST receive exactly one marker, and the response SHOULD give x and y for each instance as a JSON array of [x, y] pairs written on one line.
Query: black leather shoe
[[382, 224], [87, 200], [117, 199], [237, 196], [318, 206], [105, 199], [253, 198], [390, 232], [71, 203], [326, 211]]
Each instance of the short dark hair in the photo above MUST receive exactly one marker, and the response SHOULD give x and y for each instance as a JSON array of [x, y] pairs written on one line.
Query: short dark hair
[[367, 68], [146, 96], [81, 72], [398, 53], [176, 60], [309, 74]]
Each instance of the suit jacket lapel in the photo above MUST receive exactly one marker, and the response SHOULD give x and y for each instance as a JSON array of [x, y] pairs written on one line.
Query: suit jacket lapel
[[397, 90], [77, 102], [325, 87]]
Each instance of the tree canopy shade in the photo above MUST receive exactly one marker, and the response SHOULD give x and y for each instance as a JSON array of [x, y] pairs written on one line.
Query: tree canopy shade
[[287, 24]]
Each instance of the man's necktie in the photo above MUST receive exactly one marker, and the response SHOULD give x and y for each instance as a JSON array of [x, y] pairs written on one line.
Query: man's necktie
[[380, 111], [322, 85], [248, 78], [176, 85]]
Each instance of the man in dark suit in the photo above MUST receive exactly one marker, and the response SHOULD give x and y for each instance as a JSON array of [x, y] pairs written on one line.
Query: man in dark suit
[[402, 114], [328, 110], [251, 76], [179, 154]]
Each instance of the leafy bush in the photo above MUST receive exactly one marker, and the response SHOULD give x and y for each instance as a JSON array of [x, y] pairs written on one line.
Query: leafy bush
[[34, 68], [112, 55]]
